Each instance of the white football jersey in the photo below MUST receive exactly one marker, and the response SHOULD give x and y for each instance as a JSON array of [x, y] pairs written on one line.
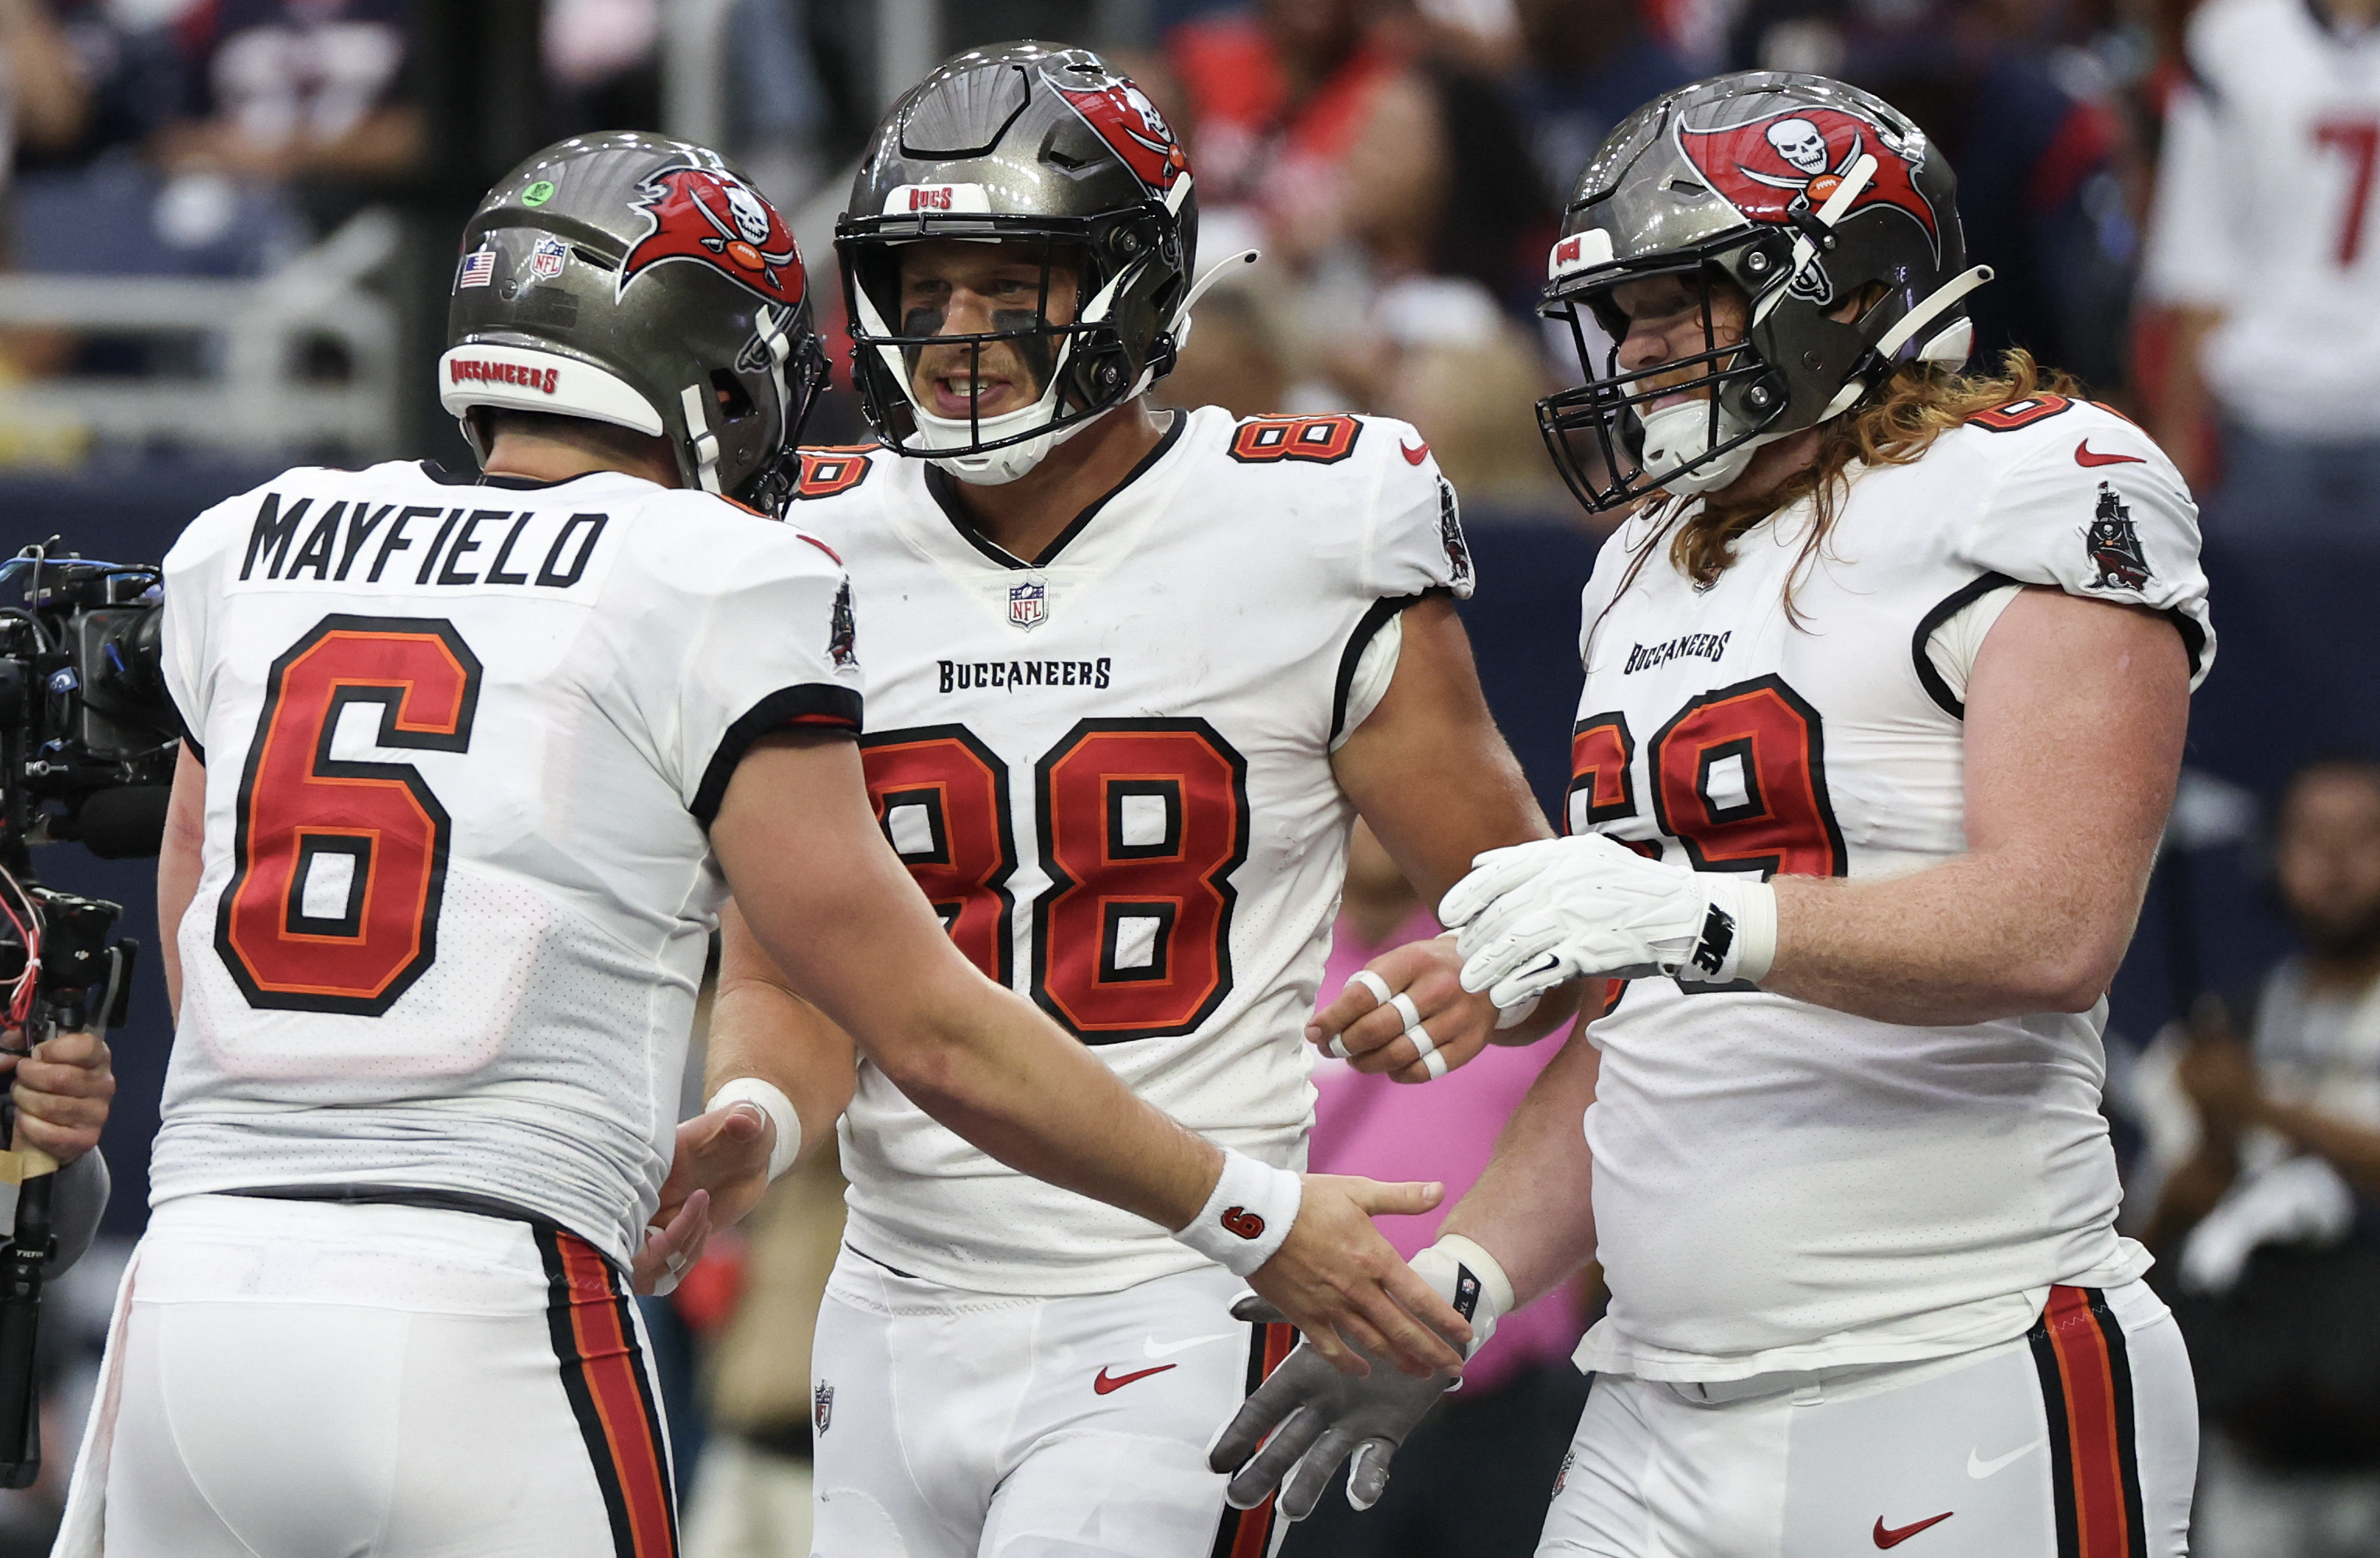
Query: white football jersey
[[2266, 210], [1782, 1185], [462, 742], [1110, 773]]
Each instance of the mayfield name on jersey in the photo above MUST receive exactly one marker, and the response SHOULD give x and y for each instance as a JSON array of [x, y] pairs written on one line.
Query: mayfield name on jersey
[[462, 742]]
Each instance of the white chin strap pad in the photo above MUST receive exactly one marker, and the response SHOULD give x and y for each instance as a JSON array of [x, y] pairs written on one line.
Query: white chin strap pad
[[1680, 432]]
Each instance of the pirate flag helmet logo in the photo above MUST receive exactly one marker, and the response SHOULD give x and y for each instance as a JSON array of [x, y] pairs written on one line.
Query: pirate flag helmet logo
[[716, 219], [1794, 158], [1123, 117]]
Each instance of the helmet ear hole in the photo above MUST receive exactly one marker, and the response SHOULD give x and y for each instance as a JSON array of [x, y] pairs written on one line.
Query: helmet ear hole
[[734, 401]]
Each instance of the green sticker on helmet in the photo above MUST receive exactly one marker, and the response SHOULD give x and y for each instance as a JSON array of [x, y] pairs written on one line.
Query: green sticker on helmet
[[539, 193]]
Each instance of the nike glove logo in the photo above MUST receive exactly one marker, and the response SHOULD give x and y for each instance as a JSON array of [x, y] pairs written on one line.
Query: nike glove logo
[[1103, 1383], [1886, 1537], [2087, 455], [1979, 1469]]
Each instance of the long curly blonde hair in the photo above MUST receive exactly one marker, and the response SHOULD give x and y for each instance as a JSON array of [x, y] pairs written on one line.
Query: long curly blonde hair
[[1917, 405]]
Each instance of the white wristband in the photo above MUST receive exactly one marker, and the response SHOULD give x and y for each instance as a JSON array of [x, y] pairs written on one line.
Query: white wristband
[[1754, 909], [1469, 1278], [1247, 1214], [771, 1101]]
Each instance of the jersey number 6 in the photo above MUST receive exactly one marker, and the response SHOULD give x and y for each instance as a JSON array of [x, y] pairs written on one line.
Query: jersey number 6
[[339, 865], [1141, 823]]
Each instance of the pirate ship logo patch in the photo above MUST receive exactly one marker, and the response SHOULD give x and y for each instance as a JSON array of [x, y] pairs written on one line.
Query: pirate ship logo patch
[[2115, 544]]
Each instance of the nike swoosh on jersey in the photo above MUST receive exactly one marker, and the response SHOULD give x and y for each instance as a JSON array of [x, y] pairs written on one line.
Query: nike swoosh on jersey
[[2087, 455], [1979, 1469], [1413, 456], [1105, 1383], [1887, 1537], [1156, 1348]]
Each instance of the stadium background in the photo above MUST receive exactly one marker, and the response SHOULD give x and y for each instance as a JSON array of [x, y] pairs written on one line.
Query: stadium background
[[230, 233]]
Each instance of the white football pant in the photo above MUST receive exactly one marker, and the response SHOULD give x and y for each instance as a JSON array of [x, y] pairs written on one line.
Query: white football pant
[[310, 1379], [951, 1424], [2078, 1440]]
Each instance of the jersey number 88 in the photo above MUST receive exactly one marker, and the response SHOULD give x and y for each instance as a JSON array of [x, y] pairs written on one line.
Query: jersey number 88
[[1141, 823]]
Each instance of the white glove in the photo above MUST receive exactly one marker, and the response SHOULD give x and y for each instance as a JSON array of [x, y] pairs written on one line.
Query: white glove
[[1322, 1414], [1537, 915]]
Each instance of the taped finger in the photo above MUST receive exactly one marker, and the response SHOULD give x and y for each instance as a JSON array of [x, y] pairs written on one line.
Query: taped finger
[[1339, 1046], [1367, 1474], [1408, 1014], [1435, 1064], [1422, 1041], [1369, 981]]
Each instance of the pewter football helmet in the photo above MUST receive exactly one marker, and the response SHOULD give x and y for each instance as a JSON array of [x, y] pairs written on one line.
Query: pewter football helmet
[[632, 279], [1800, 190], [1040, 142]]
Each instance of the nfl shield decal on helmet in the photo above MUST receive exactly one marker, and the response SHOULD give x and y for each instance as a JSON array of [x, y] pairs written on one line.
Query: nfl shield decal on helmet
[[822, 1407], [1028, 604], [545, 261], [716, 219]]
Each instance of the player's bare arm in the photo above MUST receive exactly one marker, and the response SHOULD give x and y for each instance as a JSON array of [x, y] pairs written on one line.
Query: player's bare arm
[[1434, 778], [177, 866], [2068, 780], [858, 939]]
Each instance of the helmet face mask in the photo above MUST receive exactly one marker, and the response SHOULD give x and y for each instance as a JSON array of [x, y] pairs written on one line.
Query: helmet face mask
[[1597, 432], [1822, 206], [1049, 152]]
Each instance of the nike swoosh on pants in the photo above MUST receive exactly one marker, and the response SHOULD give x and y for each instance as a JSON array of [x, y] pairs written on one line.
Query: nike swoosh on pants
[[1979, 1469], [1887, 1537], [1106, 1383]]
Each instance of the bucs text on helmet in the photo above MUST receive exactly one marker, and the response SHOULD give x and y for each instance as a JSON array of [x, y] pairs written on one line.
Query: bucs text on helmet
[[1807, 195], [1030, 141], [635, 280]]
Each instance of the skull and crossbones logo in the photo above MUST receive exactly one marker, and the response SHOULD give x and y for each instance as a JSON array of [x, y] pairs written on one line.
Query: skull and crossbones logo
[[1800, 143]]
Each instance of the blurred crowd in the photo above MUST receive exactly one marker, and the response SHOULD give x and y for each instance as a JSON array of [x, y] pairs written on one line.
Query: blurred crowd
[[2164, 222], [1401, 165]]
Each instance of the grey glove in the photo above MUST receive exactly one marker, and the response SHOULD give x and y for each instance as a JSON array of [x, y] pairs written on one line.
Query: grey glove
[[1321, 1414]]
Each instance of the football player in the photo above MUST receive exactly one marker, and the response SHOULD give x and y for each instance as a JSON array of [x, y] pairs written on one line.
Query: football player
[[472, 762], [1133, 673], [1886, 689]]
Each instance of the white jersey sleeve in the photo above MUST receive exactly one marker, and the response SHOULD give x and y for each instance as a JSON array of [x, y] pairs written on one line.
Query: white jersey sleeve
[[2095, 509], [1416, 542], [741, 645]]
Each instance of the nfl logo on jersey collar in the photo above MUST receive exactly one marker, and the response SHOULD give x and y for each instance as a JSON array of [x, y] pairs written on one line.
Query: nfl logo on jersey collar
[[1028, 604]]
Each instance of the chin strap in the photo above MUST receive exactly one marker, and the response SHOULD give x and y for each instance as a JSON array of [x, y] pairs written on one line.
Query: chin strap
[[1805, 247], [1198, 290], [1939, 301], [700, 439]]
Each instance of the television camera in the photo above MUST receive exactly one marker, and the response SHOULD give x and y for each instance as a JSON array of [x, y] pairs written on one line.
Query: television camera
[[88, 736]]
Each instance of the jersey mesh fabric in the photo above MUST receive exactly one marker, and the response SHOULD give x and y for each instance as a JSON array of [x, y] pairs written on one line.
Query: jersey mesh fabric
[[1218, 600], [1779, 1186], [535, 1054]]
